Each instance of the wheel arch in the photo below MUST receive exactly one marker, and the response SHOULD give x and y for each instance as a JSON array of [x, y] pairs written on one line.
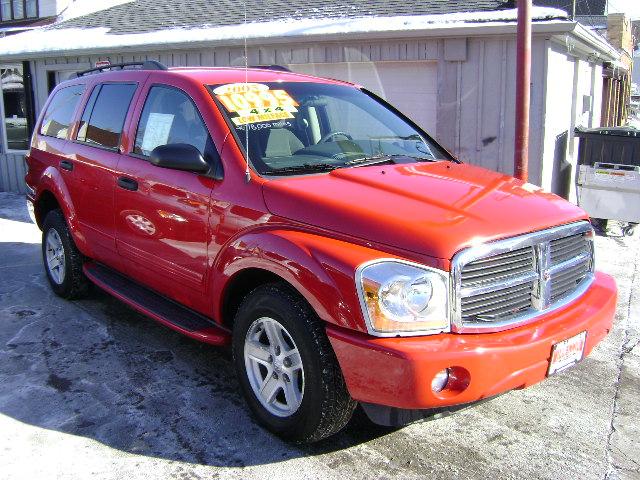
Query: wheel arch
[[319, 269], [52, 193]]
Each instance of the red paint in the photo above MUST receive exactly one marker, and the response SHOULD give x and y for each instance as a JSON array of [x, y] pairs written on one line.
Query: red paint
[[187, 236]]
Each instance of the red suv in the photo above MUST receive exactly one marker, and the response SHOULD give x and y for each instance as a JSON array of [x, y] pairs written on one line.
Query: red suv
[[345, 256]]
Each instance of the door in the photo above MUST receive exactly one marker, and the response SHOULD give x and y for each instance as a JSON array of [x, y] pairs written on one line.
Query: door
[[162, 214], [411, 87], [91, 161]]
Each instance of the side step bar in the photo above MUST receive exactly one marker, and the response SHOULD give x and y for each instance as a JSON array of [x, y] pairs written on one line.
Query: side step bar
[[154, 305]]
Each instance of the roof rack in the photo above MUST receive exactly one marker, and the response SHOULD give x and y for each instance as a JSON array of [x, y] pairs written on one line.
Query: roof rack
[[146, 65], [278, 68]]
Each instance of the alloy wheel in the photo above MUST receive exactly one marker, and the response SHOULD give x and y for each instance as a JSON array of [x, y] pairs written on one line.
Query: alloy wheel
[[274, 367], [55, 256]]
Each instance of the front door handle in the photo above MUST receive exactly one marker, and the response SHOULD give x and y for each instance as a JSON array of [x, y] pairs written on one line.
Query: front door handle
[[66, 165], [127, 183]]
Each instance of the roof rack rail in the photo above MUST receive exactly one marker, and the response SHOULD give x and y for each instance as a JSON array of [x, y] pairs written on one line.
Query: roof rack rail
[[146, 65], [278, 68]]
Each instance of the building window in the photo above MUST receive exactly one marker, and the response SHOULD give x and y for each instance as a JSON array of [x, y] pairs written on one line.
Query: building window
[[5, 11], [31, 8], [11, 10], [16, 108], [18, 9]]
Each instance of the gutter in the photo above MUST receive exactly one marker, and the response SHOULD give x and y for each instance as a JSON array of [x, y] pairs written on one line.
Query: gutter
[[540, 28]]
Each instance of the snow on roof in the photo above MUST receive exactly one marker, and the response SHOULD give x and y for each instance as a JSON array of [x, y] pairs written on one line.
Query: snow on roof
[[80, 8], [51, 40]]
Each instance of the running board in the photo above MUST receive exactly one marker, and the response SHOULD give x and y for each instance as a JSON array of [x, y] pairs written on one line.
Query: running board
[[154, 305]]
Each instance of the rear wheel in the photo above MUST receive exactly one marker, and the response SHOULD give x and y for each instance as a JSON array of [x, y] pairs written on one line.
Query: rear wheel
[[62, 260], [286, 367]]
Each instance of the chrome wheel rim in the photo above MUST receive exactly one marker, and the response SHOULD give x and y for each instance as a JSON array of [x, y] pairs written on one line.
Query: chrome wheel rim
[[274, 367], [54, 251]]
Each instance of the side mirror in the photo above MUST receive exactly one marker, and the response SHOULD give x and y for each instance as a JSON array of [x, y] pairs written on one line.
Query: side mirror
[[179, 156]]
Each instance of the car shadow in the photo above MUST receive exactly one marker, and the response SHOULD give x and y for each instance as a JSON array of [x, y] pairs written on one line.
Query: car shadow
[[96, 368]]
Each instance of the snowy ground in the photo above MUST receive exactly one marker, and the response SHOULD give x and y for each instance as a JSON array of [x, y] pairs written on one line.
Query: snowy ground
[[92, 389]]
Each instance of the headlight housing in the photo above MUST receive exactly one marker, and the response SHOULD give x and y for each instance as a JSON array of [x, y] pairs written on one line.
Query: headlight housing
[[400, 298]]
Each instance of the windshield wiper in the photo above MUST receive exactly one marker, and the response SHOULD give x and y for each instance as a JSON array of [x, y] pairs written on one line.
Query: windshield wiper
[[366, 161], [304, 168], [385, 158]]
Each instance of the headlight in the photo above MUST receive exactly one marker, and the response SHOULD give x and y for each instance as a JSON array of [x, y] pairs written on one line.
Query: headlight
[[402, 298]]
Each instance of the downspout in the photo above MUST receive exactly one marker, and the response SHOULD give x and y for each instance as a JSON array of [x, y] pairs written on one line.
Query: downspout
[[523, 91]]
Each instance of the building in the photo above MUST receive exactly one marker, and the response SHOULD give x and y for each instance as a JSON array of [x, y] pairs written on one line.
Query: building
[[21, 15], [618, 29], [450, 69]]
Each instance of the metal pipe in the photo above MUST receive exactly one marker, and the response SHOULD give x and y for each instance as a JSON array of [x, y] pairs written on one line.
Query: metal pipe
[[523, 91]]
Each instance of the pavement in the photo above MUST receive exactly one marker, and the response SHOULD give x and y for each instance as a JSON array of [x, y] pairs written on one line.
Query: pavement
[[90, 388]]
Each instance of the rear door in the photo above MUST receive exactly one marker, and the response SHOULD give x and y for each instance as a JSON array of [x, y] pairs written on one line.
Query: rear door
[[162, 215], [92, 160]]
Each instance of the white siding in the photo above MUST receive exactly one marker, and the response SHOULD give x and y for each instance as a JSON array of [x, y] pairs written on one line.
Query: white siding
[[50, 8], [12, 172], [573, 98]]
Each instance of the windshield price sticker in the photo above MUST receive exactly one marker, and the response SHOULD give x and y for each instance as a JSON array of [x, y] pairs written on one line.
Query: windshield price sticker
[[255, 102]]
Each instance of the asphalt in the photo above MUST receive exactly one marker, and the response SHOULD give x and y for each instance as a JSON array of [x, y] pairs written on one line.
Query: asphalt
[[92, 389]]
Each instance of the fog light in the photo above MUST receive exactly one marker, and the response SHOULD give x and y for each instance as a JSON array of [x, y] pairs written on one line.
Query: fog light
[[440, 380]]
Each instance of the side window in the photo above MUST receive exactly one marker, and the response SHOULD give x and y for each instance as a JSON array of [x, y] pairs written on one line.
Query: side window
[[103, 117], [170, 116], [57, 118]]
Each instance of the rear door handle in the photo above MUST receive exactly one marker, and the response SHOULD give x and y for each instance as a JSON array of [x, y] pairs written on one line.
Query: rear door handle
[[127, 183], [66, 165]]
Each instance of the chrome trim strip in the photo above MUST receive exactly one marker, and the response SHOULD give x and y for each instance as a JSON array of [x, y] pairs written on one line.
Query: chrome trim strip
[[490, 287], [569, 263], [540, 242]]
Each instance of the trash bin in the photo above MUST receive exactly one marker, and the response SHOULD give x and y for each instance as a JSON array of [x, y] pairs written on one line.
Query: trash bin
[[609, 174]]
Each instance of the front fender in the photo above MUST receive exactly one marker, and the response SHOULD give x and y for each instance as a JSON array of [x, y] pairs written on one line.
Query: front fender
[[51, 181], [321, 269]]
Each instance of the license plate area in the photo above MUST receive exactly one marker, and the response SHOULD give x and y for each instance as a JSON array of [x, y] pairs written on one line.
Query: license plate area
[[566, 353]]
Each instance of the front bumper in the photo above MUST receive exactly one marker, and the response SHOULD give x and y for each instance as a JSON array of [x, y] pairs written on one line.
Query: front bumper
[[397, 372]]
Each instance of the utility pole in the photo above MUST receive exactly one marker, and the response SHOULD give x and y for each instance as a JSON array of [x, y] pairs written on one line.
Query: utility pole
[[573, 10], [523, 91]]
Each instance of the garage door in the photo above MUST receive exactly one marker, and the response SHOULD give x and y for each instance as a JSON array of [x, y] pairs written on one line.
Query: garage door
[[409, 86]]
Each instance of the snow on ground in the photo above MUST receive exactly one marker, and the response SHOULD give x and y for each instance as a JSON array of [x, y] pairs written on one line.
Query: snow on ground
[[49, 40]]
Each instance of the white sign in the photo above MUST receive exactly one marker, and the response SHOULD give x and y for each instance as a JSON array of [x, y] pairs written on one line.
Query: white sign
[[157, 131]]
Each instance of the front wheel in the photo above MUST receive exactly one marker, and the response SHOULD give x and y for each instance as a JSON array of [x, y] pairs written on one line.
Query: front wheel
[[286, 367]]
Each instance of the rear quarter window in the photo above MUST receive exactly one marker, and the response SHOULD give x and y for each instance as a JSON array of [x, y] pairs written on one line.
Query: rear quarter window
[[59, 113], [103, 117]]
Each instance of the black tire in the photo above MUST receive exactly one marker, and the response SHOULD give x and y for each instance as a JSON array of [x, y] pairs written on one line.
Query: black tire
[[326, 405], [74, 284]]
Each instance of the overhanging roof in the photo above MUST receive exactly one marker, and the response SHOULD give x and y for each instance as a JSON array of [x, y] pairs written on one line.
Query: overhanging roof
[[97, 33]]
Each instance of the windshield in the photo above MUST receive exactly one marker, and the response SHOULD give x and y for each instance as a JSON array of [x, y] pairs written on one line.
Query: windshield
[[298, 127]]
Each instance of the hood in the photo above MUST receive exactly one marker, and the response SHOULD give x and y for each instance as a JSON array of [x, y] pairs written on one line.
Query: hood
[[432, 209]]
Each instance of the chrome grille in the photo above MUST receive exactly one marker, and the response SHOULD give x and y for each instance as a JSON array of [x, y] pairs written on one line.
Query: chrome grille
[[493, 305], [496, 303], [506, 283], [563, 249], [497, 266]]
